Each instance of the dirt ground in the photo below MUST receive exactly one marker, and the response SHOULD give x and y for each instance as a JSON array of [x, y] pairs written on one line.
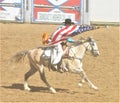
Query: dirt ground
[[103, 71]]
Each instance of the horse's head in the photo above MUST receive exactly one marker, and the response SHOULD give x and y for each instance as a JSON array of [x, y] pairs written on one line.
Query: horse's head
[[92, 46]]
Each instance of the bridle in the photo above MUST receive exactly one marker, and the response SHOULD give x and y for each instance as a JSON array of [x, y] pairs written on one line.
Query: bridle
[[91, 43]]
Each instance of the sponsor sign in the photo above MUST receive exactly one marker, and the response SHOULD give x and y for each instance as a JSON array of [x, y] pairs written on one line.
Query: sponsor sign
[[56, 10], [11, 10]]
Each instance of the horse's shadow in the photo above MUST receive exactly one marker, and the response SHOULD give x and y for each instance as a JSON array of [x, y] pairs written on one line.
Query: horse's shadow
[[37, 89]]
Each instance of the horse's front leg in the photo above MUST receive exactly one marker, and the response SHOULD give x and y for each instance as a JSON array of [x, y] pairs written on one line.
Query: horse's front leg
[[42, 75], [85, 79], [64, 67]]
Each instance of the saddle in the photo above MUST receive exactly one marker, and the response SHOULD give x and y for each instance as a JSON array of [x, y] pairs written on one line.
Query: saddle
[[47, 53], [53, 54]]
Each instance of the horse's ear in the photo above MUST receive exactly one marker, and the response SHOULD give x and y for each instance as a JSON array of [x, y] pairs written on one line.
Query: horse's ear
[[82, 38], [82, 41], [89, 38]]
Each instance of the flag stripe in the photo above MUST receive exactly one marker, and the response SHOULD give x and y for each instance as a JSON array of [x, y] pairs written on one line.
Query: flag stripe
[[72, 30], [58, 32]]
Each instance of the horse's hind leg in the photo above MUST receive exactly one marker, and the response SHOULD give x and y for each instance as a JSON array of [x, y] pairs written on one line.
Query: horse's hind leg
[[27, 75], [42, 75]]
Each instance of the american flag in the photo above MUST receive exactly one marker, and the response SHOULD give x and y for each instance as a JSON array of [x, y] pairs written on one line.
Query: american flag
[[63, 32]]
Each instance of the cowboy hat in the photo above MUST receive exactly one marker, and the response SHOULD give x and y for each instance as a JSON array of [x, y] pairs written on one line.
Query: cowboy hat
[[68, 21]]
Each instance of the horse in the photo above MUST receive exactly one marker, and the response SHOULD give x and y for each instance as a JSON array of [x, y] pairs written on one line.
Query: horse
[[38, 62]]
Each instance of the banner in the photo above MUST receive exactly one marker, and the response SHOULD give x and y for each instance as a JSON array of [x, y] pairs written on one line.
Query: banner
[[11, 10], [56, 10]]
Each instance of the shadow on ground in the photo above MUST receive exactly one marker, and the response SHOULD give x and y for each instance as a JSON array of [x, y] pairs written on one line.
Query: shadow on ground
[[37, 89]]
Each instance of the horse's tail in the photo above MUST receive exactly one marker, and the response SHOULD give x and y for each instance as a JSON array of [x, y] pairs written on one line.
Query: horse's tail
[[18, 57]]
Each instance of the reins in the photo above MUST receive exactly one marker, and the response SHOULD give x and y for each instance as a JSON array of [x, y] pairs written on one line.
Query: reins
[[75, 44]]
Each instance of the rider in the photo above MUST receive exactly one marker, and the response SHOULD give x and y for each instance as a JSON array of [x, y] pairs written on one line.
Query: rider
[[65, 31], [56, 39]]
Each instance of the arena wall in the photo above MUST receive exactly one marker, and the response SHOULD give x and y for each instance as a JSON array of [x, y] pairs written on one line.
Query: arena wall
[[104, 12], [56, 11], [41, 11]]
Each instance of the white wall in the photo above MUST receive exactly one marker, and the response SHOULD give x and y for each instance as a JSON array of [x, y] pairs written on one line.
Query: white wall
[[104, 10]]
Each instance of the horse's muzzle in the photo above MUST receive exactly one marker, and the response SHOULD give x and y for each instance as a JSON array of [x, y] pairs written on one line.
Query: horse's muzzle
[[96, 53]]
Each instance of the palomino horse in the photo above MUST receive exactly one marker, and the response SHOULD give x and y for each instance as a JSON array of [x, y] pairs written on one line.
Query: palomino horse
[[73, 63]]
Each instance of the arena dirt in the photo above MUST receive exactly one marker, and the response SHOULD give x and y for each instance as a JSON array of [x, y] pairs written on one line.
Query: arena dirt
[[103, 71]]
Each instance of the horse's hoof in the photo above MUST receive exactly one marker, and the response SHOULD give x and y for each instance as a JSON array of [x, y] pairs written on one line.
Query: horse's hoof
[[94, 87], [80, 84], [60, 70], [27, 89], [83, 80], [53, 90]]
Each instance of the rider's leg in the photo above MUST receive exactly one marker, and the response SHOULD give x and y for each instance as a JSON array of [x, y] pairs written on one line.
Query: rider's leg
[[57, 54]]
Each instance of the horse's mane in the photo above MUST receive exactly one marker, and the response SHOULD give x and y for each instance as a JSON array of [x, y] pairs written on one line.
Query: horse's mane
[[78, 42]]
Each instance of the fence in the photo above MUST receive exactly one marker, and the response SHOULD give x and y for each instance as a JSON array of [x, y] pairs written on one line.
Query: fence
[[11, 10]]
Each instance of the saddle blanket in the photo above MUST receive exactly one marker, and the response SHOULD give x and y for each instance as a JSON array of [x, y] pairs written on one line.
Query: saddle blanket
[[55, 54]]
